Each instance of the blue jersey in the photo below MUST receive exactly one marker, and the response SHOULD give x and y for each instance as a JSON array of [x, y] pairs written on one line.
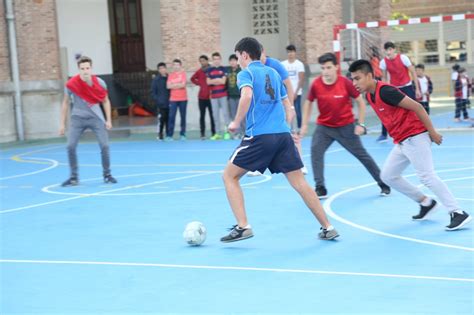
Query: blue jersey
[[266, 113], [278, 66]]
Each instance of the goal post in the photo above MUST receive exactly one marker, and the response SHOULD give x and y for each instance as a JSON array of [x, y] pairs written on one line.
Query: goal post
[[438, 42]]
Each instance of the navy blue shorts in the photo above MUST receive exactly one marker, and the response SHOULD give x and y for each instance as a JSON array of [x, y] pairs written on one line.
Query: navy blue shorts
[[277, 152]]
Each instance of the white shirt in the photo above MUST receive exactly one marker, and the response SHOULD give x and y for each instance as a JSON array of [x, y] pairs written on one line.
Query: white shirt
[[454, 75], [406, 61], [464, 88], [294, 69], [423, 81]]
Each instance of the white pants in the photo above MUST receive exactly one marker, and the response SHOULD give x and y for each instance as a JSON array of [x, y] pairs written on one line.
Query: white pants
[[417, 151]]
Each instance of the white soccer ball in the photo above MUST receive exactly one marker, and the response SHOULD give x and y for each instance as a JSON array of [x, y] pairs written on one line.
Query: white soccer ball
[[195, 233]]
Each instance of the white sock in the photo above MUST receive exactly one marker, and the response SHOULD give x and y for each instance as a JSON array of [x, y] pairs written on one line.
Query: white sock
[[245, 227], [426, 202], [329, 228]]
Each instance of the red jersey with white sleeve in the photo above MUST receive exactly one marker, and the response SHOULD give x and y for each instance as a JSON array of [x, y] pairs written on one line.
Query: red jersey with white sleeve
[[334, 101], [398, 70], [401, 123]]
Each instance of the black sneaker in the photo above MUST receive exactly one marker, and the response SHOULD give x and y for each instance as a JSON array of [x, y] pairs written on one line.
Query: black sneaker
[[458, 220], [109, 179], [321, 192], [384, 190], [424, 211], [70, 182], [237, 234], [328, 235]]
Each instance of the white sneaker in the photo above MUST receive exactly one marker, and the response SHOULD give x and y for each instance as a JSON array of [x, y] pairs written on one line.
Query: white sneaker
[[252, 174], [304, 170]]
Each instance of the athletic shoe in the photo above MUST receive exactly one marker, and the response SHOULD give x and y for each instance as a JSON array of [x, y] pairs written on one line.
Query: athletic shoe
[[328, 235], [203, 137], [384, 190], [237, 234], [226, 136], [321, 192], [304, 170], [459, 218], [457, 119], [253, 174], [169, 139], [424, 210], [70, 182], [382, 138], [109, 179], [216, 137], [182, 138]]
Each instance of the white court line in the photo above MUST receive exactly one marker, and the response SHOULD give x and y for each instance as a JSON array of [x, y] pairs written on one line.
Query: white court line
[[234, 268], [331, 213], [47, 189], [54, 164], [452, 180], [99, 193], [31, 160]]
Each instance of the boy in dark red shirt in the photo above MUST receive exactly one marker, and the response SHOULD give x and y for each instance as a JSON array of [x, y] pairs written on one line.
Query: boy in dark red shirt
[[412, 131], [199, 78], [335, 122]]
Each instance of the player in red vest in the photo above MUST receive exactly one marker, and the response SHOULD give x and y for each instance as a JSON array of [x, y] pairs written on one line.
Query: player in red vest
[[412, 131], [396, 69]]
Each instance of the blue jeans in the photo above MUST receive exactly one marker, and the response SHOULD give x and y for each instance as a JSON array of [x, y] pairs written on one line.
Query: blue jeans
[[298, 111], [174, 106]]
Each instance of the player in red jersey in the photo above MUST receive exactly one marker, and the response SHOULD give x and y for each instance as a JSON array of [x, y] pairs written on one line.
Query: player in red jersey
[[412, 131]]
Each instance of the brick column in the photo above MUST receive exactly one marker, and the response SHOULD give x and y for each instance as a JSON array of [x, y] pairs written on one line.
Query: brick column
[[367, 11], [188, 29], [37, 39], [4, 53], [310, 24]]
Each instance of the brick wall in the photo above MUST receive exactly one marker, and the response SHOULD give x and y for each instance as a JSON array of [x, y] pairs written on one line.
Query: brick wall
[[37, 39], [320, 17], [189, 28], [296, 25], [4, 54], [310, 24]]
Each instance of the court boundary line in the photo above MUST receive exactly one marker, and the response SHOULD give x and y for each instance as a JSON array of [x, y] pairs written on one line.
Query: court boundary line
[[234, 268], [332, 214], [98, 193]]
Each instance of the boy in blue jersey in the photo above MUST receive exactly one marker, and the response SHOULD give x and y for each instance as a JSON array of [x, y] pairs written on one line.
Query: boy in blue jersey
[[267, 143]]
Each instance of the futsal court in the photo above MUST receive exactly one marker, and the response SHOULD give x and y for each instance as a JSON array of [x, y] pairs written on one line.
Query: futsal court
[[118, 249]]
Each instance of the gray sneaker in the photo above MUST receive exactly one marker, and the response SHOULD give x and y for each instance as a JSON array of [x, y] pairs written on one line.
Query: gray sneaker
[[237, 234], [328, 235]]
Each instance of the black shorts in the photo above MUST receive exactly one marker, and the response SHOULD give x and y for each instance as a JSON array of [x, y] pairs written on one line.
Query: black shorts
[[277, 152]]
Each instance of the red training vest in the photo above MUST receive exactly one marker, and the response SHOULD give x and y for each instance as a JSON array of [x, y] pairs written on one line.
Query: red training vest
[[399, 75], [401, 123]]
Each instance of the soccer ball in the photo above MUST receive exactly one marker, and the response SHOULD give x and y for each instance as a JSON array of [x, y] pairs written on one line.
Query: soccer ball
[[195, 233]]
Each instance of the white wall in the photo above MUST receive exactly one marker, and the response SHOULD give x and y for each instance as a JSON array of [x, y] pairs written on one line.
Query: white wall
[[236, 22], [152, 33], [83, 27]]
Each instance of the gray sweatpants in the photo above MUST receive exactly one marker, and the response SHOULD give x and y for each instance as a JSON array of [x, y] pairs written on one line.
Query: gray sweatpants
[[417, 152], [324, 136], [77, 127], [220, 105]]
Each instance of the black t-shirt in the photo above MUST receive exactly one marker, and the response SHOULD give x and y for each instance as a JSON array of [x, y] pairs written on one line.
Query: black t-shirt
[[389, 95]]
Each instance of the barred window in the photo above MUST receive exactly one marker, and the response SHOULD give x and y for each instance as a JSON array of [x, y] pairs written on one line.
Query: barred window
[[265, 17]]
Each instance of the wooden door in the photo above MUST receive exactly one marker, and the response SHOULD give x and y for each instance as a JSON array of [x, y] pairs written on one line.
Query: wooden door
[[128, 50]]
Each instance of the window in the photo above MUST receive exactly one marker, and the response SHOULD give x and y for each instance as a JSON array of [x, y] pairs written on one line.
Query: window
[[265, 17], [456, 51]]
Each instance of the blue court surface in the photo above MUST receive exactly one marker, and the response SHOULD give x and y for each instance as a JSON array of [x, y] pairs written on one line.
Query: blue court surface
[[118, 249]]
